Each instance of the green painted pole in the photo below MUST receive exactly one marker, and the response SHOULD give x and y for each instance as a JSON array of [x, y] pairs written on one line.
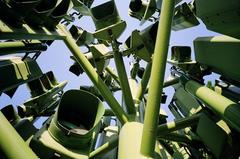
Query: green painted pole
[[144, 82], [20, 47], [174, 111], [156, 79], [94, 77], [178, 124], [104, 148], [176, 114], [126, 91], [177, 137], [169, 83], [224, 107], [112, 73], [130, 141], [108, 112], [11, 144]]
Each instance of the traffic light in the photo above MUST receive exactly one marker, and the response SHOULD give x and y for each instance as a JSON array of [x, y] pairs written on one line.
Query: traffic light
[[45, 92], [105, 15], [108, 23], [143, 10], [58, 13], [143, 42], [81, 36], [73, 129], [184, 17], [14, 11]]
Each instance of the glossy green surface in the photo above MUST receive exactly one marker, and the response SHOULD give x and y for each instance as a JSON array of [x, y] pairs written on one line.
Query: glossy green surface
[[156, 82]]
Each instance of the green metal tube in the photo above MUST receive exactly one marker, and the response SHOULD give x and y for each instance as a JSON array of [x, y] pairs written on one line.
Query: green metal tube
[[178, 124], [177, 137], [130, 141], [144, 82], [108, 112], [127, 95], [20, 47], [11, 144], [224, 107], [176, 114], [105, 148], [114, 76], [92, 74], [167, 147], [168, 83], [174, 111], [171, 82], [156, 79]]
